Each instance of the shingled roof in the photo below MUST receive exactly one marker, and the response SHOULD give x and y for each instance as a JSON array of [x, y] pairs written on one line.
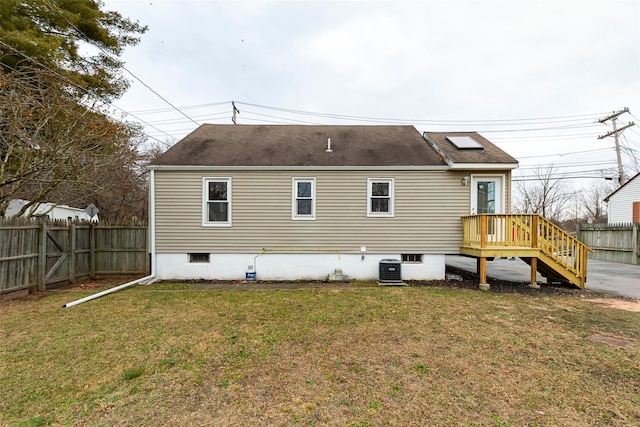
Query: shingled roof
[[301, 145], [306, 145], [488, 154]]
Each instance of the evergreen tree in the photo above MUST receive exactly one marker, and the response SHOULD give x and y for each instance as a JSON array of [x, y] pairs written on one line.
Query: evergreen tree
[[74, 38]]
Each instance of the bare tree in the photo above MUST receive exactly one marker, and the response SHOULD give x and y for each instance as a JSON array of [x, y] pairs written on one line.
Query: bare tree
[[547, 194], [592, 200], [53, 148]]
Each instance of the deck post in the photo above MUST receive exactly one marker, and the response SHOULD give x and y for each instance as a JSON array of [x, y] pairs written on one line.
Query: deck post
[[483, 231], [534, 273], [482, 273], [534, 231]]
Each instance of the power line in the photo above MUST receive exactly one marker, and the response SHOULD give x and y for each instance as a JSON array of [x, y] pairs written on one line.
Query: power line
[[528, 138], [419, 121], [561, 178], [85, 90], [122, 66], [275, 117], [569, 165], [181, 120], [564, 154], [188, 107]]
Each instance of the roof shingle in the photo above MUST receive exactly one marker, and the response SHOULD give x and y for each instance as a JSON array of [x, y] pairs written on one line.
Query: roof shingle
[[306, 145], [490, 153]]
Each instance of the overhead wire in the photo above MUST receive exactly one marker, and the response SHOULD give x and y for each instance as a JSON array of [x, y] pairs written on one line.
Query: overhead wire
[[86, 39], [181, 120], [526, 138], [275, 117], [188, 107], [85, 90], [567, 122], [571, 165], [420, 121], [565, 154]]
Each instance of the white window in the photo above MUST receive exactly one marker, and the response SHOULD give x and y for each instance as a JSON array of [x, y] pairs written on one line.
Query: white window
[[303, 199], [216, 202], [380, 197]]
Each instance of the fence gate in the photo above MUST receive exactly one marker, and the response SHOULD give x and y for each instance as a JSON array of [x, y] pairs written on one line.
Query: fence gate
[[60, 243], [41, 253]]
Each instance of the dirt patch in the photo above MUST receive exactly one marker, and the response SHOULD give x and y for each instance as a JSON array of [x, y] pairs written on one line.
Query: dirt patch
[[98, 283], [618, 342], [629, 305]]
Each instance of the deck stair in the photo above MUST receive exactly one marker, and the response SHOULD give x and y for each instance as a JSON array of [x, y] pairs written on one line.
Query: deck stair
[[547, 248]]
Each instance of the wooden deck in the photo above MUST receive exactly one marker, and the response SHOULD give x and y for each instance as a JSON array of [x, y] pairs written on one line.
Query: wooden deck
[[547, 248]]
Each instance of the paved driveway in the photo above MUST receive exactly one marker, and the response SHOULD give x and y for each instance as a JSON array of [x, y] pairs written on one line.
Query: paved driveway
[[622, 279]]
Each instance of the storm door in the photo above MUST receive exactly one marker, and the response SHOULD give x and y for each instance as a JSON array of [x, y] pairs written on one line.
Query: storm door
[[487, 197]]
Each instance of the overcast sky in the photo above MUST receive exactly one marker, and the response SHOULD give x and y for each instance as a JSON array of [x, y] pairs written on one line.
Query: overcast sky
[[532, 76]]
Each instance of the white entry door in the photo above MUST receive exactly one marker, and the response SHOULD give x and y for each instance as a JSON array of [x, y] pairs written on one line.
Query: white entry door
[[487, 194]]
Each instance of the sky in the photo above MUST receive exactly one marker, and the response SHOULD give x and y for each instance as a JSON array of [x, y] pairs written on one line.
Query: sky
[[534, 77]]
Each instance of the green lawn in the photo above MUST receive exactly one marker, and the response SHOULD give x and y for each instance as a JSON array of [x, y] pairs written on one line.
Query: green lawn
[[364, 356]]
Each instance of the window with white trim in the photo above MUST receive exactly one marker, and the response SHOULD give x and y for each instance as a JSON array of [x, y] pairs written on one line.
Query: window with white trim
[[303, 199], [380, 197], [217, 202]]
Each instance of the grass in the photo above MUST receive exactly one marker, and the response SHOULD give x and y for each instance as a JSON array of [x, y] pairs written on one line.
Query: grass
[[349, 357]]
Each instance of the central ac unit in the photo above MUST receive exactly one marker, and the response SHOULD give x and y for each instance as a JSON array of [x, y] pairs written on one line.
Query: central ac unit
[[390, 271]]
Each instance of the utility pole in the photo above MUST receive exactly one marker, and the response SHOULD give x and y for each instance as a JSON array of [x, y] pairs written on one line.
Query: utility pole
[[235, 110], [615, 132]]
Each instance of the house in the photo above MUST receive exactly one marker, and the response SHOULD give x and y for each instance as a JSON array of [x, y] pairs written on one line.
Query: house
[[49, 211], [289, 202], [624, 203]]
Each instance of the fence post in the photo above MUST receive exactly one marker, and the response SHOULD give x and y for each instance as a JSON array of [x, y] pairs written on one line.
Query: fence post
[[635, 242], [42, 256], [71, 249], [92, 251]]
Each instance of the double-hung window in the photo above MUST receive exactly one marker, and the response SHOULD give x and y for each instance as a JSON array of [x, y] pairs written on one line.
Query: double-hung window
[[303, 199], [380, 197], [217, 202]]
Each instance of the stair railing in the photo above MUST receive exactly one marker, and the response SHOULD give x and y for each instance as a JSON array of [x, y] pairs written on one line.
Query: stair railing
[[527, 230]]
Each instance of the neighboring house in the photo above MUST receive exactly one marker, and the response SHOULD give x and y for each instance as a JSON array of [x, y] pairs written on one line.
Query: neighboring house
[[48, 210], [300, 202], [624, 203]]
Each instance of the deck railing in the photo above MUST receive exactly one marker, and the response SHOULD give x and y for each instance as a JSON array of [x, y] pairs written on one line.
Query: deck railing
[[528, 231]]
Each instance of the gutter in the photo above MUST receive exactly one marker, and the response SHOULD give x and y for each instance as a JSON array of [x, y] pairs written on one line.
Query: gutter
[[152, 244], [297, 168]]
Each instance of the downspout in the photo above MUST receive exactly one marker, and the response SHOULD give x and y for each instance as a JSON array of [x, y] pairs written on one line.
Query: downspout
[[152, 245]]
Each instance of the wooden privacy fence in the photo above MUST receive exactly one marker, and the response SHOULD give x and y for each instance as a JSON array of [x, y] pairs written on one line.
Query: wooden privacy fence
[[612, 242], [36, 254]]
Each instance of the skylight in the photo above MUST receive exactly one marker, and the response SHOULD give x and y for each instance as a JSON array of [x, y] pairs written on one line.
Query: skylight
[[465, 143]]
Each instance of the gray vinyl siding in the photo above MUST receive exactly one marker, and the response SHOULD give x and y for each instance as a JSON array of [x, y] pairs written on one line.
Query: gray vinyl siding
[[428, 207]]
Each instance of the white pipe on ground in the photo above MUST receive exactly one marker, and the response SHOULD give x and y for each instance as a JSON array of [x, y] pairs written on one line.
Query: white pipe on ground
[[152, 244], [108, 291]]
